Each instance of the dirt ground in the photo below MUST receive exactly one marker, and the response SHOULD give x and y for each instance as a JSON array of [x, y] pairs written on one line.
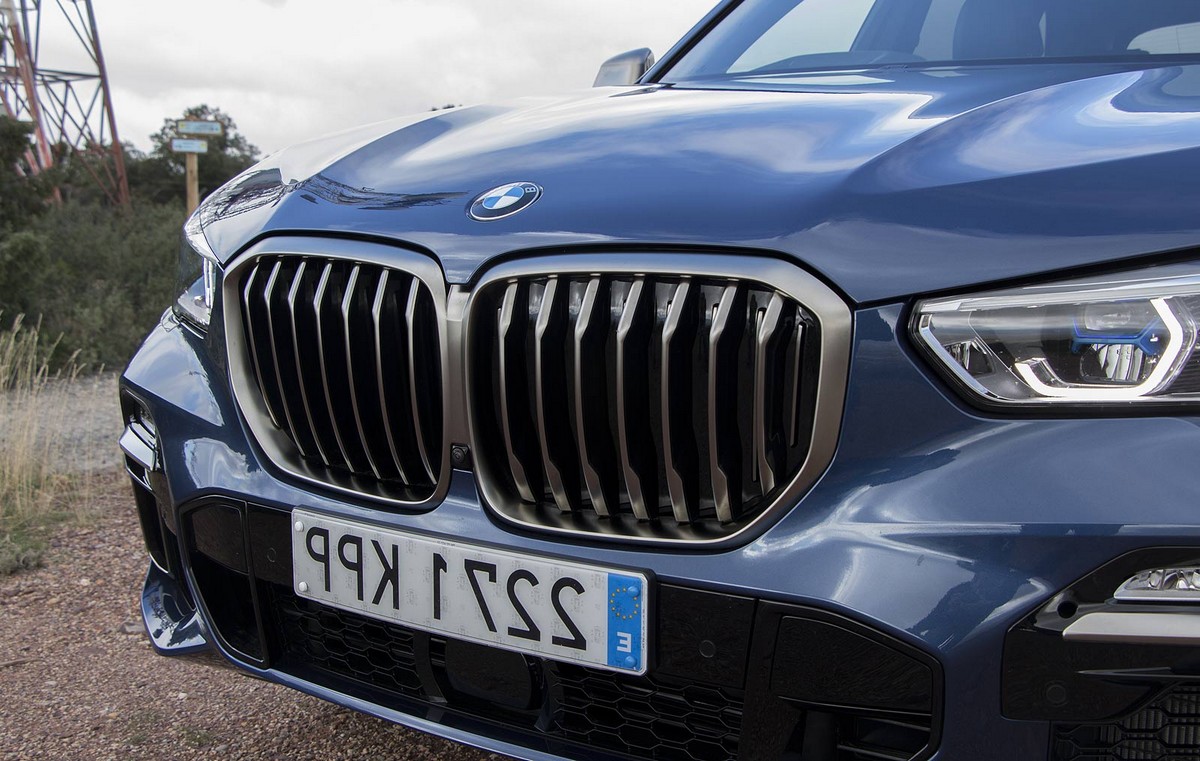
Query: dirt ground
[[78, 679]]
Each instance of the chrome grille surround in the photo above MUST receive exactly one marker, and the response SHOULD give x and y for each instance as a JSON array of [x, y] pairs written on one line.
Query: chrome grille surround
[[614, 455], [310, 403]]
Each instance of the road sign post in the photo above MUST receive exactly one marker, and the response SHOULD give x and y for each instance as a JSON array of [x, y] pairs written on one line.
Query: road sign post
[[191, 149], [192, 167]]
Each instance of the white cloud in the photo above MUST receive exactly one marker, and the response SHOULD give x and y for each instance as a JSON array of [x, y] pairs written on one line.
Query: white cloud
[[287, 70]]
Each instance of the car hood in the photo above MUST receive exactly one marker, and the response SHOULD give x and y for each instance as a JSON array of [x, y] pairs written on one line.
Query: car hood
[[887, 185]]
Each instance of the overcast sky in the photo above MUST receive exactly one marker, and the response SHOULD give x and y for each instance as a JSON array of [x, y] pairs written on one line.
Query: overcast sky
[[288, 70]]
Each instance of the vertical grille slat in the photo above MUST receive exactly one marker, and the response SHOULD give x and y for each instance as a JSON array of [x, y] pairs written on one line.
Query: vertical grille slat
[[395, 392], [298, 352], [638, 446], [355, 375], [724, 451], [559, 457], [591, 401], [661, 405], [348, 363], [381, 380], [317, 300], [257, 359], [341, 377], [764, 365], [514, 392], [794, 411], [424, 429], [679, 446], [286, 383]]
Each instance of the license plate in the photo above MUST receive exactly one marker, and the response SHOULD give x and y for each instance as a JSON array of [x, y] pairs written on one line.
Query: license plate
[[556, 609]]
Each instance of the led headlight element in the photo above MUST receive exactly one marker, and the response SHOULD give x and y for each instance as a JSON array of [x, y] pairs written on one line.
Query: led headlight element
[[1126, 339], [199, 272]]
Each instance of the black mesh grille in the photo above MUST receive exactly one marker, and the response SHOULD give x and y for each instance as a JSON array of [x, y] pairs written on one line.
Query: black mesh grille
[[346, 358], [1167, 729], [621, 713], [642, 400], [638, 716], [370, 651]]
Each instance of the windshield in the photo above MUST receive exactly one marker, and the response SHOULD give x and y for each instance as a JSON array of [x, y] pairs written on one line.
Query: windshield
[[770, 36]]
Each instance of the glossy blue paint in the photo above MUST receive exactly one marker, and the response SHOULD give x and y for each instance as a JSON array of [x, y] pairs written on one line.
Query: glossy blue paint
[[889, 183], [173, 629], [935, 523]]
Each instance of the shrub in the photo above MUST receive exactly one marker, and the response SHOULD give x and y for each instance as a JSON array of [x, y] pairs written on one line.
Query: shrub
[[100, 278]]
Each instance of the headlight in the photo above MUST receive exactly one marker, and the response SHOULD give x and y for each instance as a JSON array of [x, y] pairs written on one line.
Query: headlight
[[198, 275], [1122, 340]]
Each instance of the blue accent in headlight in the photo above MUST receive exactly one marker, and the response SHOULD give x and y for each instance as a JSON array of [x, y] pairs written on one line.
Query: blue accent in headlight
[[1149, 340]]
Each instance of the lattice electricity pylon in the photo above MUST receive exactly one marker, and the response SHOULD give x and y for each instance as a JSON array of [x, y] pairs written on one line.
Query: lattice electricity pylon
[[70, 105]]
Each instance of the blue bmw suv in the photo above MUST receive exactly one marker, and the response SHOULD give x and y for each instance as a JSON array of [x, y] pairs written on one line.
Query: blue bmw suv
[[828, 391]]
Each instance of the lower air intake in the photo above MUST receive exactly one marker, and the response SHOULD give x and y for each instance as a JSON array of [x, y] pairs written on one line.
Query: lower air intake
[[1168, 728], [638, 717]]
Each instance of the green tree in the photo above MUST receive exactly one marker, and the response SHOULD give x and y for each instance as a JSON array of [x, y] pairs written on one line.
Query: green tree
[[22, 199], [98, 281], [153, 179], [159, 176], [75, 172], [22, 195]]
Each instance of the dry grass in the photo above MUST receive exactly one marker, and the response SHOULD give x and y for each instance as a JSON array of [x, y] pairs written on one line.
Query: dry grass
[[33, 496]]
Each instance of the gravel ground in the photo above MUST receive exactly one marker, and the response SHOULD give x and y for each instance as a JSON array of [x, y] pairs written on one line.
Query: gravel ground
[[78, 679], [82, 416], [87, 411]]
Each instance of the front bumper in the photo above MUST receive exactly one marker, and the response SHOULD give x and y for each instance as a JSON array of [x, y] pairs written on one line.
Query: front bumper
[[934, 533]]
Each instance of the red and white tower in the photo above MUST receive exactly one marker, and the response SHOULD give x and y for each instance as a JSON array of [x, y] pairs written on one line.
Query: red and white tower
[[62, 90]]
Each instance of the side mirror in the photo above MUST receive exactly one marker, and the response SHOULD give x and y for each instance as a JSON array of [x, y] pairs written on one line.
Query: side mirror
[[625, 69]]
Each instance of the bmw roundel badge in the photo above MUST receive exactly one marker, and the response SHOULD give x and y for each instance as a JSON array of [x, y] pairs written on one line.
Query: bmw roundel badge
[[504, 201]]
